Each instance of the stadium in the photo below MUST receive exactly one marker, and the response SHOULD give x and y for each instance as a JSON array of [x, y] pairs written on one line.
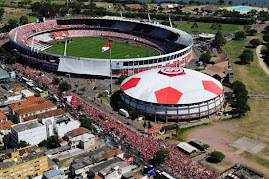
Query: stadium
[[136, 45], [172, 93]]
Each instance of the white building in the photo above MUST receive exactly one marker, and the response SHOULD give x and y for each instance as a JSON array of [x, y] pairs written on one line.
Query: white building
[[35, 131]]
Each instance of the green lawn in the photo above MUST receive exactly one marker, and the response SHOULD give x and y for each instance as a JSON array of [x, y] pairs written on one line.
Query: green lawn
[[92, 48], [205, 27], [251, 74], [17, 14]]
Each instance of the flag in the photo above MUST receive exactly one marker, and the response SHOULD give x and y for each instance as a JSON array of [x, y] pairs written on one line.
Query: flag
[[130, 159], [106, 47]]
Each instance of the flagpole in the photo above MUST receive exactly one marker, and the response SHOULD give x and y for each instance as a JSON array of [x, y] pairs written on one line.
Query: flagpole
[[111, 89]]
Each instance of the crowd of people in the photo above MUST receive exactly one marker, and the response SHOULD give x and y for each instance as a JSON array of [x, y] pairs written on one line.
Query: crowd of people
[[176, 163]]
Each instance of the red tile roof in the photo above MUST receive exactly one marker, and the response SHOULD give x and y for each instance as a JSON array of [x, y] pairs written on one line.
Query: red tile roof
[[28, 102], [5, 124], [112, 153], [45, 114], [77, 132], [2, 115], [17, 89], [36, 107]]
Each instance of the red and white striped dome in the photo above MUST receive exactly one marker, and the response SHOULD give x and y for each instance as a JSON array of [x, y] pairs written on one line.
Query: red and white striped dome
[[171, 85]]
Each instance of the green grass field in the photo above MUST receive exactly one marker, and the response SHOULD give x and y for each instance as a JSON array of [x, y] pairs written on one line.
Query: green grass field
[[92, 48], [251, 74], [205, 27]]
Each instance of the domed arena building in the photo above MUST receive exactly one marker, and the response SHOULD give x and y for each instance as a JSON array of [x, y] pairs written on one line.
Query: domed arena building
[[172, 93]]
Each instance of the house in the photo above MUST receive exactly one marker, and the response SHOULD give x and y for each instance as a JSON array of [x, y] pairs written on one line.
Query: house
[[81, 138], [56, 112], [4, 123]]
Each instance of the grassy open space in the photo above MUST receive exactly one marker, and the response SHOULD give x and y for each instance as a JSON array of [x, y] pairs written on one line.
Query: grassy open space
[[92, 48], [251, 74], [16, 13], [205, 27]]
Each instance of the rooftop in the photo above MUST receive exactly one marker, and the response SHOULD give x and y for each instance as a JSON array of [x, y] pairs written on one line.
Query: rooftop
[[52, 173], [2, 115], [55, 112], [17, 89], [3, 72], [78, 131], [91, 157], [113, 153], [32, 153], [28, 102], [104, 165], [5, 124], [36, 107], [26, 125]]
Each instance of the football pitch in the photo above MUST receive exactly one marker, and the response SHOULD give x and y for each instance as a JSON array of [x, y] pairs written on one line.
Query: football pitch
[[91, 47]]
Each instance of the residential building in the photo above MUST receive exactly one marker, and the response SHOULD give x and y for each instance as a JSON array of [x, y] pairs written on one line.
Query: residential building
[[24, 162], [56, 112], [81, 138], [28, 102], [34, 110], [111, 169], [80, 166], [35, 131]]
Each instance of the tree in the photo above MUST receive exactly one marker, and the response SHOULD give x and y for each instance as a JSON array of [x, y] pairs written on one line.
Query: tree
[[205, 57], [240, 97], [230, 2], [149, 125], [55, 81], [86, 122], [246, 57], [265, 54], [221, 2], [51, 143], [79, 107], [2, 11], [23, 20], [194, 26], [255, 42], [216, 157], [23, 144], [240, 35], [265, 37], [134, 114], [144, 124], [252, 32], [160, 156], [219, 39], [246, 28], [64, 86], [121, 78]]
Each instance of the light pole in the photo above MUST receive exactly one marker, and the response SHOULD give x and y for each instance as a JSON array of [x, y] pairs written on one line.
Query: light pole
[[65, 45]]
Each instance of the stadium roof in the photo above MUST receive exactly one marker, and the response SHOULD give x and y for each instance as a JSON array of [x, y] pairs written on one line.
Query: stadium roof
[[172, 85]]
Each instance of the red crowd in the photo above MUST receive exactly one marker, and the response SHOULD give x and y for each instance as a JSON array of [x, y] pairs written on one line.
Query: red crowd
[[177, 163]]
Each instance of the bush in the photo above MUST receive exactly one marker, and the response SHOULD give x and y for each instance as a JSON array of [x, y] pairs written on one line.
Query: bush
[[215, 157]]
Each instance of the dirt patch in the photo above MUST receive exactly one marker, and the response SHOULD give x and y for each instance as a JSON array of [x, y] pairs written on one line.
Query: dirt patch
[[218, 136]]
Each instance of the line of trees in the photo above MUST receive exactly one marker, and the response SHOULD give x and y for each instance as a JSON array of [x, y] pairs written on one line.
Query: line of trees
[[265, 52]]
